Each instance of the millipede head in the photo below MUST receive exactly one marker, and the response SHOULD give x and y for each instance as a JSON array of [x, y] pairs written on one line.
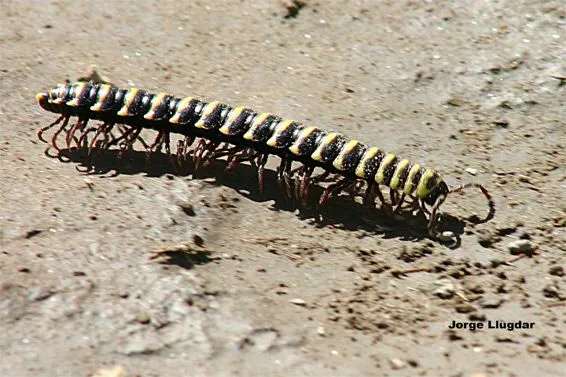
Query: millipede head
[[43, 100], [438, 194]]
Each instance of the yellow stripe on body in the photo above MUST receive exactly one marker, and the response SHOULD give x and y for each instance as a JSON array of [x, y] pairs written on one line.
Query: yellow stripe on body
[[208, 110], [370, 153], [280, 128], [225, 129], [103, 93], [317, 154], [79, 89], [302, 137], [409, 185], [59, 96], [397, 174], [155, 102], [422, 191], [379, 177], [338, 162], [249, 135], [130, 97], [185, 102]]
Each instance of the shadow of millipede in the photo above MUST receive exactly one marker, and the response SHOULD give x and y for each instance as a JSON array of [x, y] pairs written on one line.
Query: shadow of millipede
[[340, 212]]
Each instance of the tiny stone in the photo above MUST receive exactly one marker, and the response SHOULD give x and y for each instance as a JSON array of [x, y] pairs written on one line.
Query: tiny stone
[[321, 331], [413, 363], [445, 289], [491, 302], [519, 247], [524, 235], [551, 291], [40, 293], [556, 271], [524, 179], [143, 318], [465, 308], [506, 230], [397, 363], [197, 240], [477, 317], [485, 240], [472, 171], [298, 302], [446, 236]]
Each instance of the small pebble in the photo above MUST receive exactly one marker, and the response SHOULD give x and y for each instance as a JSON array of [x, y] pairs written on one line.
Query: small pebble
[[446, 236], [298, 302], [321, 331], [397, 363], [491, 302], [556, 271], [472, 171], [520, 247], [477, 317], [465, 308], [143, 318], [445, 289], [485, 240], [551, 291]]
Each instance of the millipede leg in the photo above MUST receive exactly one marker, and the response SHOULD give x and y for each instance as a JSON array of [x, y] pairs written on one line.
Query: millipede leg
[[198, 151], [283, 177], [56, 135], [370, 195], [433, 219], [393, 196], [321, 177], [296, 175], [384, 205], [399, 203], [247, 154], [183, 148], [334, 188], [224, 151], [71, 133], [117, 140], [422, 207], [262, 160], [305, 185], [129, 141], [157, 143], [102, 130], [41, 131]]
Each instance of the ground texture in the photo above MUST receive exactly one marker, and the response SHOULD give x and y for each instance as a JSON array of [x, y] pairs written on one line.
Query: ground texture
[[135, 269]]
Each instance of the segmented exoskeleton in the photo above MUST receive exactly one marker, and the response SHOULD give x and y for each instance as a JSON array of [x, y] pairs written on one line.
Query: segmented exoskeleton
[[247, 136]]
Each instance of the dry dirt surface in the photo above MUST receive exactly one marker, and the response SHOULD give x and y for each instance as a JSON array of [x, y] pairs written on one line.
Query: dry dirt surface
[[131, 268]]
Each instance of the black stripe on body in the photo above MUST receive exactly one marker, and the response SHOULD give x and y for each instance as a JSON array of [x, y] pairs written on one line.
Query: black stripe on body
[[283, 138], [372, 164], [352, 158], [417, 178], [389, 170], [264, 130], [310, 143], [212, 115], [157, 110], [329, 150], [240, 124], [403, 176], [189, 115]]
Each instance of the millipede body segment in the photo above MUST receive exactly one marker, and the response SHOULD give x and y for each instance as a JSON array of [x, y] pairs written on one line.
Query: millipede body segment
[[246, 135]]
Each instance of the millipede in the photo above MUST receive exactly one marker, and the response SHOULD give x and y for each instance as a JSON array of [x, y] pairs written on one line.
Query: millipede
[[244, 135]]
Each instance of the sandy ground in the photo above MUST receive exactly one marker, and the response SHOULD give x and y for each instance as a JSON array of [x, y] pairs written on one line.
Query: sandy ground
[[472, 89]]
